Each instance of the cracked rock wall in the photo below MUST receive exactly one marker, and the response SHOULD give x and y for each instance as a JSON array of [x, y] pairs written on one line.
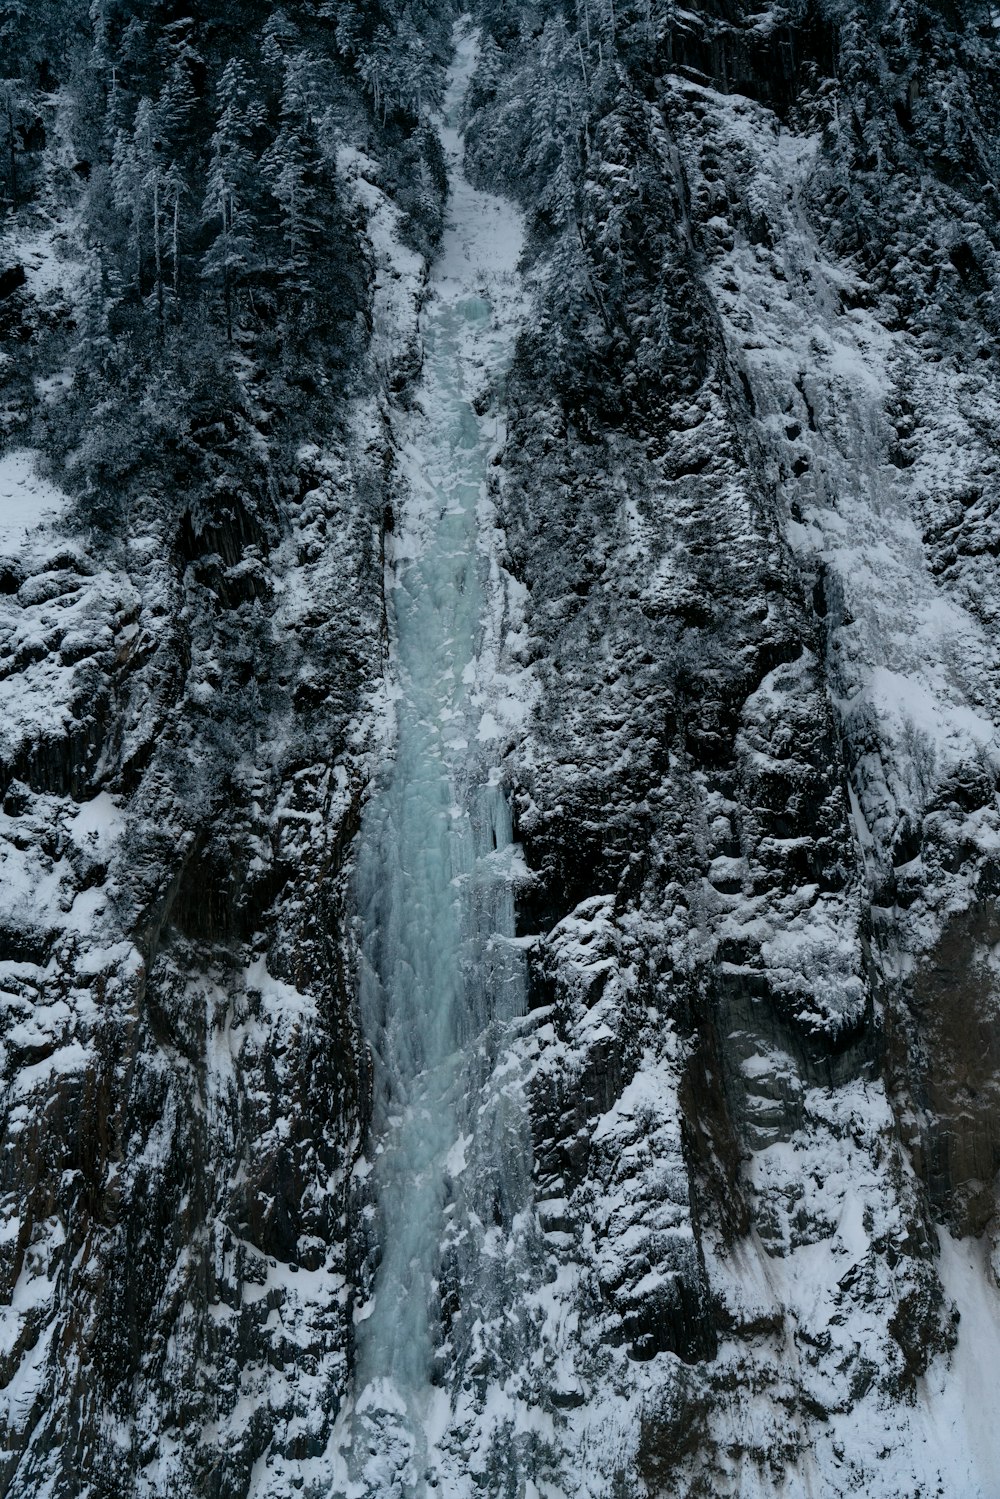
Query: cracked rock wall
[[742, 626]]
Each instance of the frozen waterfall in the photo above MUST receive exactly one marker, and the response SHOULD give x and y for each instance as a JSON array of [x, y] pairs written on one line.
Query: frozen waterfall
[[448, 1157]]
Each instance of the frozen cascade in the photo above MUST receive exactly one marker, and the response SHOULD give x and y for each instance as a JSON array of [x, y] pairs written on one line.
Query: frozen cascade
[[441, 977]]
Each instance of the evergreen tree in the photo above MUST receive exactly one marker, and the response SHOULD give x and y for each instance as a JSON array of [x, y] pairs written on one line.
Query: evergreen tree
[[126, 191], [178, 98], [293, 168], [135, 49], [413, 77], [277, 40], [147, 190], [233, 190], [10, 117], [398, 70], [149, 166], [374, 65], [174, 194]]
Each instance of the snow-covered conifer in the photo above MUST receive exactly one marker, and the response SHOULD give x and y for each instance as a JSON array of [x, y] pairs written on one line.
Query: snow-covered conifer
[[233, 190], [293, 168]]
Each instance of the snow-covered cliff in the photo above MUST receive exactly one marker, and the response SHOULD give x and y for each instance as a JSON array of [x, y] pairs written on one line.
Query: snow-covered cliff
[[499, 829]]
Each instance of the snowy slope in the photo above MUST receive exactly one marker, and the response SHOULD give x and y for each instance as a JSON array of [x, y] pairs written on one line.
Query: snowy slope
[[498, 937]]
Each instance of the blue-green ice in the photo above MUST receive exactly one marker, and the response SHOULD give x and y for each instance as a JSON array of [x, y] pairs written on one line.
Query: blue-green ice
[[440, 975]]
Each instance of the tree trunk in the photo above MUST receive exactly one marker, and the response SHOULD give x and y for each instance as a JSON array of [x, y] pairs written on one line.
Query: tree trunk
[[227, 287], [158, 252], [12, 143], [175, 248]]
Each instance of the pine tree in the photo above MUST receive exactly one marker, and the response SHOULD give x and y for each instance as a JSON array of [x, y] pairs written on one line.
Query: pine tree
[[127, 195], [294, 169], [174, 193], [233, 190], [413, 78], [10, 112], [135, 46], [149, 161], [398, 70], [178, 99], [147, 190], [277, 40], [374, 67]]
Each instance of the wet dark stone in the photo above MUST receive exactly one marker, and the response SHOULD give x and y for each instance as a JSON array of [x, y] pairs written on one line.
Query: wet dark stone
[[11, 280]]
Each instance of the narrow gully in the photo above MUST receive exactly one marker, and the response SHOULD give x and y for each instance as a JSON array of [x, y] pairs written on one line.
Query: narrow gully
[[448, 1157]]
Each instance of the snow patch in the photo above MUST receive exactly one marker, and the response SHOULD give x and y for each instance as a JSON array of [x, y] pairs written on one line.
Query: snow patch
[[27, 501]]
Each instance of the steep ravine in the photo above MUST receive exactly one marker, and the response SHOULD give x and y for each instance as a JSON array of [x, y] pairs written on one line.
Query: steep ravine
[[444, 1212], [499, 752]]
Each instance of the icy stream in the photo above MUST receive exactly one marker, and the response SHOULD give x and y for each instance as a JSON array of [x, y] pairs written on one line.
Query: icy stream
[[440, 976]]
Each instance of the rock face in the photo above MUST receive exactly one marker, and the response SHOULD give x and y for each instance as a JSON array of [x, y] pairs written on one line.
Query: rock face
[[741, 669], [758, 790]]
